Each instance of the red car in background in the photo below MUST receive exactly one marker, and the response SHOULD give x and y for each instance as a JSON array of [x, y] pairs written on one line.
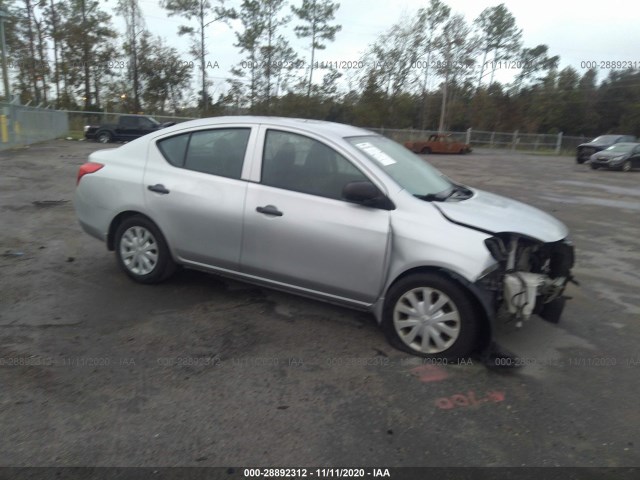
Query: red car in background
[[438, 143]]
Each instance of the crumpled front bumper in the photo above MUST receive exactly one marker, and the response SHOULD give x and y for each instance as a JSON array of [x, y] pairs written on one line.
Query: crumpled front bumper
[[607, 163], [529, 278]]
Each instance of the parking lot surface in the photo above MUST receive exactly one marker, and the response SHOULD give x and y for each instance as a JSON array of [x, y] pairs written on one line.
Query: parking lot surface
[[198, 371]]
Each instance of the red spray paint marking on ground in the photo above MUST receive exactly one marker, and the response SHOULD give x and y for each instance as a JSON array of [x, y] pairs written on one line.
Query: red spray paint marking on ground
[[469, 399], [429, 373]]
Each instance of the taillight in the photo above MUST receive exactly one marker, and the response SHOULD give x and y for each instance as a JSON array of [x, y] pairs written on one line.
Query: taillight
[[86, 168]]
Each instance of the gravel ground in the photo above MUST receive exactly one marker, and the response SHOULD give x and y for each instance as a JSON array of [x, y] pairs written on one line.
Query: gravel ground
[[96, 370]]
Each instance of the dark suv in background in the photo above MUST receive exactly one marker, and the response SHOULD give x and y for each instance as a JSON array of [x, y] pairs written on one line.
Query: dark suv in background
[[585, 150], [127, 128]]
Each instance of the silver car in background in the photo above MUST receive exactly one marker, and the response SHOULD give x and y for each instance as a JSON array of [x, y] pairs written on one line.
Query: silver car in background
[[332, 212]]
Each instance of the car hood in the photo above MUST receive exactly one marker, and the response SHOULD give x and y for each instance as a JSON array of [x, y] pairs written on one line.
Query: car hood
[[595, 145], [494, 213], [606, 154]]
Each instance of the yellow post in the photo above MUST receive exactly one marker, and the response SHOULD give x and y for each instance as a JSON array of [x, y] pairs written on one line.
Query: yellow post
[[4, 131]]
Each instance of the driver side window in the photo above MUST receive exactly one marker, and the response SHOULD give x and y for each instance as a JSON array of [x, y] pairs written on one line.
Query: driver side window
[[302, 164], [145, 123]]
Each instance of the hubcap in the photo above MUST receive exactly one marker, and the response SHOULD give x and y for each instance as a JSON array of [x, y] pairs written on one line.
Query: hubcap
[[426, 320], [139, 250], [626, 166]]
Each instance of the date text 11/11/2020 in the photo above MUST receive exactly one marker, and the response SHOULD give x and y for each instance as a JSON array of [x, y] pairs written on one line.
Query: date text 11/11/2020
[[316, 472]]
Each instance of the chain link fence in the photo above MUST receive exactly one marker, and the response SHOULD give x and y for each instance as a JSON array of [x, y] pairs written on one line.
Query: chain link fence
[[21, 125], [523, 142]]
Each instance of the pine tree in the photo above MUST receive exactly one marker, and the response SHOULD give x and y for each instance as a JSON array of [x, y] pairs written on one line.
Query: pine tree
[[499, 37], [205, 12], [316, 15]]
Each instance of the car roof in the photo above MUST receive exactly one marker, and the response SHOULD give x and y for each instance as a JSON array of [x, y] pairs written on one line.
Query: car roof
[[319, 126]]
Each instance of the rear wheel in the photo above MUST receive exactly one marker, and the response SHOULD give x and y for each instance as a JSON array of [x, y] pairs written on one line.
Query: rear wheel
[[142, 251], [426, 151], [626, 166], [430, 316]]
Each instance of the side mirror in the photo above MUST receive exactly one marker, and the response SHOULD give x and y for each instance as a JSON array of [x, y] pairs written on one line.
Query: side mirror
[[366, 193]]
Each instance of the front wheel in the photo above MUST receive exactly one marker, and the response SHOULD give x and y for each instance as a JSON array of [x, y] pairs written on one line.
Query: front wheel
[[426, 151], [626, 166], [430, 316], [594, 166], [104, 137], [142, 251]]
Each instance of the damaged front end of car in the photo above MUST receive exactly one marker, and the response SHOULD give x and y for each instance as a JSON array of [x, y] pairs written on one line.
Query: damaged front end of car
[[529, 276]]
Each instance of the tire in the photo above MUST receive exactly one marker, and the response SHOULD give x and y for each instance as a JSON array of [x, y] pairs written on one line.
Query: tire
[[594, 166], [104, 137], [406, 298], [626, 166], [142, 251], [579, 160], [426, 151]]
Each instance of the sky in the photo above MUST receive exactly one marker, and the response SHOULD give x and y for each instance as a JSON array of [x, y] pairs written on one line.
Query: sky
[[578, 32]]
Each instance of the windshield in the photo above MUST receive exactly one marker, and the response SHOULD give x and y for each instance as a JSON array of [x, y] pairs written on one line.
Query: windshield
[[407, 169], [621, 147], [604, 139]]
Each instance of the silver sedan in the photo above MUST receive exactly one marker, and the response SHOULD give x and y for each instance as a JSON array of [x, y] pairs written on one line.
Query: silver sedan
[[332, 212]]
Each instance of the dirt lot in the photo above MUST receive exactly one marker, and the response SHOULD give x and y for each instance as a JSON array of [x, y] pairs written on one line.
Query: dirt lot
[[97, 370]]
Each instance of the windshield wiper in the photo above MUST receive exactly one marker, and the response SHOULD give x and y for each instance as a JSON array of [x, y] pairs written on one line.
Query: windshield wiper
[[436, 197], [460, 192], [445, 194]]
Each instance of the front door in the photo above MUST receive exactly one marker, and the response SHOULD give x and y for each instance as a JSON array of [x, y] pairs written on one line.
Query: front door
[[298, 230]]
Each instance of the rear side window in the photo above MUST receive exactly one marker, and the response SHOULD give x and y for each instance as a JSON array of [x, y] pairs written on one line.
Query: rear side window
[[216, 152], [174, 148]]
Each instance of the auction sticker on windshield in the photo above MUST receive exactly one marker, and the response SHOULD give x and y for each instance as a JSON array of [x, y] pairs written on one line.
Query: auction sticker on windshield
[[375, 153]]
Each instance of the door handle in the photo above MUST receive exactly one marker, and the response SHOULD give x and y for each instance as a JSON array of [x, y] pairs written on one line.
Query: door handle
[[158, 188], [269, 210]]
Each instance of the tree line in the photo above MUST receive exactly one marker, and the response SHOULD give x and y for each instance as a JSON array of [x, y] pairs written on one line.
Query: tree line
[[432, 69]]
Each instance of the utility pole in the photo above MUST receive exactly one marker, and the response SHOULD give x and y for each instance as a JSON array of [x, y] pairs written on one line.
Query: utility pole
[[5, 75]]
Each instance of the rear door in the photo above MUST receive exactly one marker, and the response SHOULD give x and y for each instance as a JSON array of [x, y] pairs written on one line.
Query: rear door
[[195, 193], [127, 128], [299, 231]]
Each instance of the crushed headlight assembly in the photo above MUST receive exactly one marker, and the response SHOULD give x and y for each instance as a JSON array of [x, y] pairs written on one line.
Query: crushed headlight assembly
[[529, 276]]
